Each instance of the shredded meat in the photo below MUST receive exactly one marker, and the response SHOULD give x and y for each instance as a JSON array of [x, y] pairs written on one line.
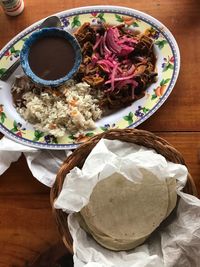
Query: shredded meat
[[95, 68], [86, 36], [85, 33], [24, 84]]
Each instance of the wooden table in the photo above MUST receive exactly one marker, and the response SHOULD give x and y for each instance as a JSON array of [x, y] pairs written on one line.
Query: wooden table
[[27, 227]]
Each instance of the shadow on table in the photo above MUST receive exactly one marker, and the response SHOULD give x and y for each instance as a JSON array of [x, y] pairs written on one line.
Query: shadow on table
[[55, 256]]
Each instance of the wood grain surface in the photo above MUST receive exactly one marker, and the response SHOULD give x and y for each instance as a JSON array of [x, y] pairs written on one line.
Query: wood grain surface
[[27, 227]]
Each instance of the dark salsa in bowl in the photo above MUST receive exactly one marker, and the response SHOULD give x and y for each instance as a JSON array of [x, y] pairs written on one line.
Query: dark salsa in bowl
[[50, 57]]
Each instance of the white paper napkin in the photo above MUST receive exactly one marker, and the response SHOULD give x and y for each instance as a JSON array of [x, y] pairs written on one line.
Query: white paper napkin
[[43, 164], [174, 244]]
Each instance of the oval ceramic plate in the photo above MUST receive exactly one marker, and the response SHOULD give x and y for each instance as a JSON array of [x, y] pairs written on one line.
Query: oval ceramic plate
[[168, 64]]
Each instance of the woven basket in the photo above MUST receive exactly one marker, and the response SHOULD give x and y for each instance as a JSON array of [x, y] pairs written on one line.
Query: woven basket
[[77, 158]]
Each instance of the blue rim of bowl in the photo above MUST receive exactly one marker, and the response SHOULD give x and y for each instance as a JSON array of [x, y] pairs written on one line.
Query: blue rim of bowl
[[34, 38], [105, 9]]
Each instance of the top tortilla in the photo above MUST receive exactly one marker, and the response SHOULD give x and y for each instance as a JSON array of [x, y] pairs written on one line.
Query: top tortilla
[[125, 210]]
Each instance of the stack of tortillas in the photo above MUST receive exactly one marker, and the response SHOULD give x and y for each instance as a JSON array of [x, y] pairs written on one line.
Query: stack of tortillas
[[121, 214]]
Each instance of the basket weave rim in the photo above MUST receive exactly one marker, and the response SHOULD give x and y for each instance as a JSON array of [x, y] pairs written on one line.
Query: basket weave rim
[[77, 158]]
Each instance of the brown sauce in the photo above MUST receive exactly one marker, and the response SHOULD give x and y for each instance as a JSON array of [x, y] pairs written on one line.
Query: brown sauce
[[51, 57]]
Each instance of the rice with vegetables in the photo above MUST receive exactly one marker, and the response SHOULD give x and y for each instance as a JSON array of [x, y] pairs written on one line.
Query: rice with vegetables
[[68, 109]]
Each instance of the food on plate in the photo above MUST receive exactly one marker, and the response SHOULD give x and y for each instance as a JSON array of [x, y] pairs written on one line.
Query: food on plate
[[122, 214], [118, 60], [118, 64], [51, 57], [69, 108]]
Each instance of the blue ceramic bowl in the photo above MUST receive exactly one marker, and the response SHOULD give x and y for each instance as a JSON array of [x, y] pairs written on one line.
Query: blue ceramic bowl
[[24, 55]]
